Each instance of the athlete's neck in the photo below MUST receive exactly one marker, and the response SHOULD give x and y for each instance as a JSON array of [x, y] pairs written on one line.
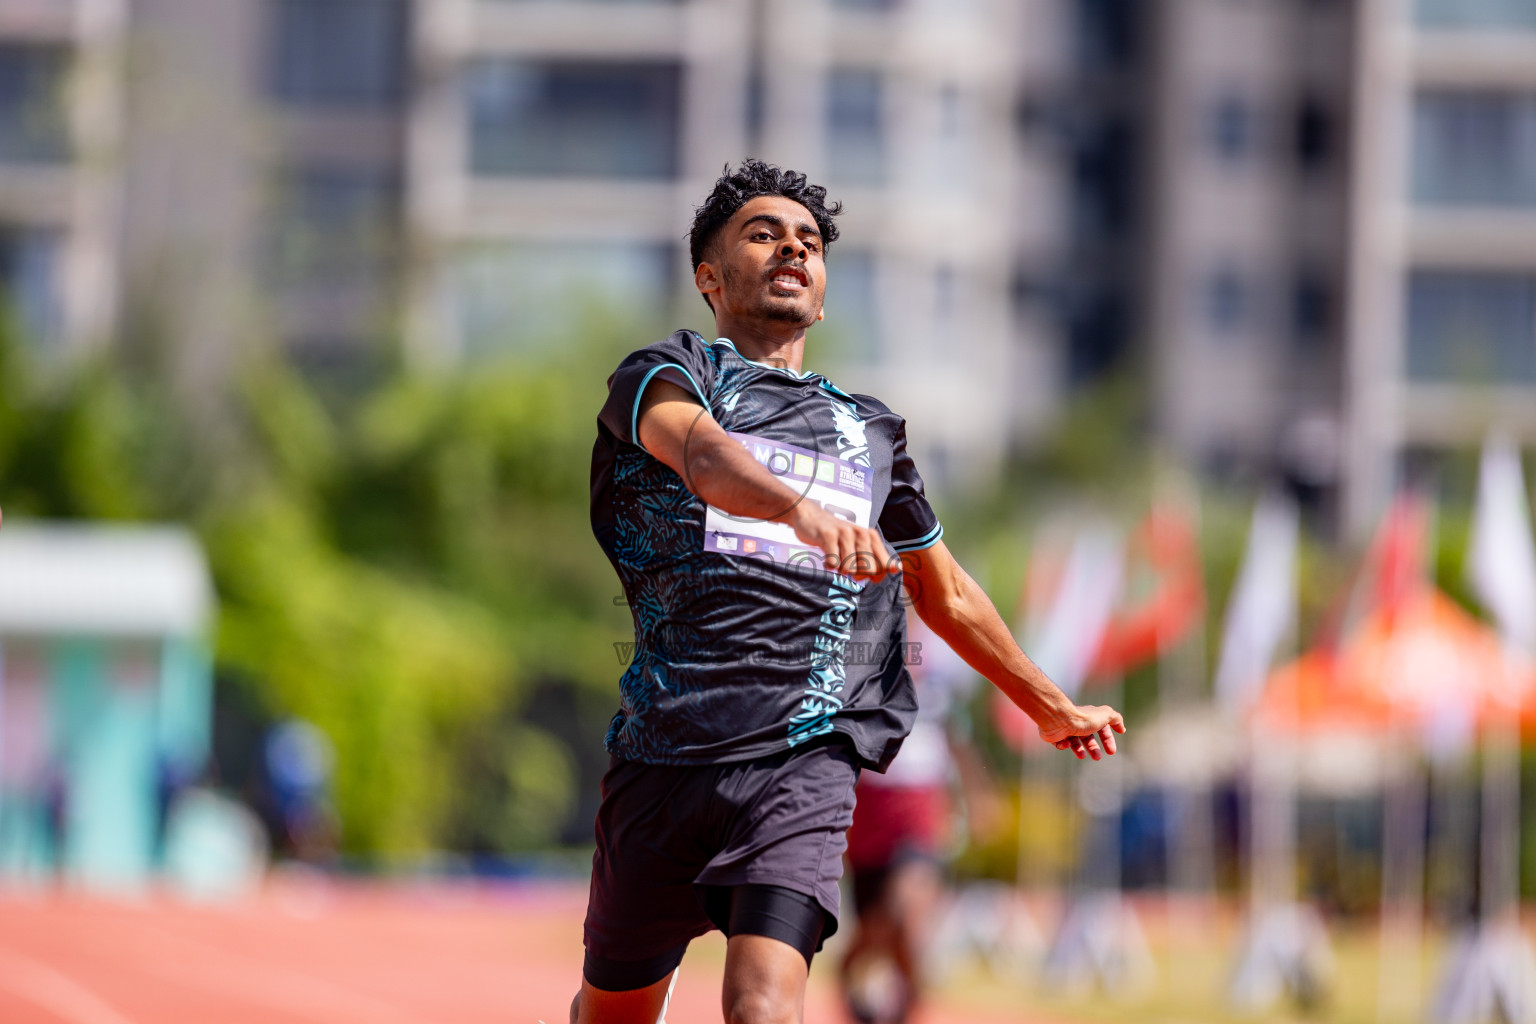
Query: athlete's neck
[[779, 345]]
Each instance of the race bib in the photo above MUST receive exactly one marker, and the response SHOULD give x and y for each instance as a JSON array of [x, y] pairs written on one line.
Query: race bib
[[842, 488]]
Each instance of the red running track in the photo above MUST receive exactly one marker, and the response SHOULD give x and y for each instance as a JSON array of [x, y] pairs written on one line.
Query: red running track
[[320, 953]]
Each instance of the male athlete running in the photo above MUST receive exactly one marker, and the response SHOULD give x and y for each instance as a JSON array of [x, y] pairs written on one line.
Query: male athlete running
[[762, 522]]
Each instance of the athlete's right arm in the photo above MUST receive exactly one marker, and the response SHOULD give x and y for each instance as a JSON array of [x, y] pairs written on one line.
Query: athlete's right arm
[[677, 430]]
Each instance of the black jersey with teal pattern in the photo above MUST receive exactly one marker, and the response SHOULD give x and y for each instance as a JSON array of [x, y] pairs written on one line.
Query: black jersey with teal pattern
[[745, 645]]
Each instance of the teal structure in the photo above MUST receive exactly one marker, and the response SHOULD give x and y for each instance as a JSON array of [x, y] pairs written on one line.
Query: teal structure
[[105, 699]]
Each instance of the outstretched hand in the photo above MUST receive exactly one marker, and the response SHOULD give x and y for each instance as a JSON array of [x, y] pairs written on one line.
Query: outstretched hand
[[1088, 732]]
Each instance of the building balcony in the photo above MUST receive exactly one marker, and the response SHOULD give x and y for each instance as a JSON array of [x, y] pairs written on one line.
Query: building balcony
[[1460, 415], [41, 21], [1502, 59], [37, 194], [501, 27], [1480, 238], [599, 207]]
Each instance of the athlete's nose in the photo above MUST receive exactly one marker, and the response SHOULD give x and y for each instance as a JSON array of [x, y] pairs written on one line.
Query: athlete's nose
[[789, 249]]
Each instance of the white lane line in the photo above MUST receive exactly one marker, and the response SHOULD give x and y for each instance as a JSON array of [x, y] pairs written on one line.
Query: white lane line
[[55, 991]]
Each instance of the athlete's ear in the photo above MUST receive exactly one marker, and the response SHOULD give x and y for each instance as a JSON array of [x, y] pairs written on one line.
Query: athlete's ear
[[821, 314], [705, 280]]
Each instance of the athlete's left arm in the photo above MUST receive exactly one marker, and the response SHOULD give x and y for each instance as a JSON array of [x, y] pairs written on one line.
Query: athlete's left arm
[[956, 608]]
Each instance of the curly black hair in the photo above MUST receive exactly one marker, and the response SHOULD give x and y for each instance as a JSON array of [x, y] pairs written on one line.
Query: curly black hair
[[752, 179]]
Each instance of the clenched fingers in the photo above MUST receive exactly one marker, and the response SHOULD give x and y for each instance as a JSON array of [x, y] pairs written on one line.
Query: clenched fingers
[[1098, 740], [860, 553], [1083, 746]]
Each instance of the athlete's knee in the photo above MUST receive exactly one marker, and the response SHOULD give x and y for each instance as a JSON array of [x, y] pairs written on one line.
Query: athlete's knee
[[757, 1007]]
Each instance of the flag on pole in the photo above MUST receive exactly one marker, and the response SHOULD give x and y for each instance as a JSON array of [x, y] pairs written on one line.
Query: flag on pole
[[1398, 564], [1494, 970], [1263, 604], [1166, 550], [1065, 636], [1501, 566], [1065, 642], [1286, 949]]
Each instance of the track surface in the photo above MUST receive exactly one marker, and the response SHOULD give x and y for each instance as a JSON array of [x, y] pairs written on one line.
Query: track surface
[[319, 953]]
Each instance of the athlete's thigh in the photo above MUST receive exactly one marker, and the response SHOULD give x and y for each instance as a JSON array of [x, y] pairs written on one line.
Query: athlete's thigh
[[764, 980], [637, 1006], [915, 887]]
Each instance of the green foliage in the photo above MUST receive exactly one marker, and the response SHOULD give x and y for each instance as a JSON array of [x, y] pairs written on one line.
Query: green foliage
[[524, 785], [397, 568], [390, 670]]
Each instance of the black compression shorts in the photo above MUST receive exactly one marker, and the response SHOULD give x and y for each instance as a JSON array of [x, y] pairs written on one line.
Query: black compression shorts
[[768, 910], [750, 847]]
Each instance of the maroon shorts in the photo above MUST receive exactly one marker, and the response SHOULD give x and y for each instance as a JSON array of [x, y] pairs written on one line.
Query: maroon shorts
[[893, 822]]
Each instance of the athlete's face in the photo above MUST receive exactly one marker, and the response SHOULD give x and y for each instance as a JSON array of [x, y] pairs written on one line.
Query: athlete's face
[[767, 264]]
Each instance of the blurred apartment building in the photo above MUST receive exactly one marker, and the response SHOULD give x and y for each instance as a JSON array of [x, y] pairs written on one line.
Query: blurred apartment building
[[1444, 254], [1306, 224], [206, 174], [462, 178], [60, 190], [557, 141], [1310, 223]]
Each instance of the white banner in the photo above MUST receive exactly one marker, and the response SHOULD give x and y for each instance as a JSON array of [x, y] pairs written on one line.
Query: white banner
[[1263, 603]]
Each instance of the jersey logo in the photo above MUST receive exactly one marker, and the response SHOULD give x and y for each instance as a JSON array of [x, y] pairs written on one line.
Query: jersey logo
[[851, 443]]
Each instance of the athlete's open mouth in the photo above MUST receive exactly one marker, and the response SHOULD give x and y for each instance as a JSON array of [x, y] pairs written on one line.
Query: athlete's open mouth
[[790, 279]]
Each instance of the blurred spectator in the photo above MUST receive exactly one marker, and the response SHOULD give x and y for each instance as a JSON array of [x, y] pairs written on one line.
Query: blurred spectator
[[904, 829], [299, 759]]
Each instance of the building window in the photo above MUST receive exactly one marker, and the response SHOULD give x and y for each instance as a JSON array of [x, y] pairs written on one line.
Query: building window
[[851, 331], [1471, 326], [1230, 127], [754, 104], [339, 366], [1311, 309], [1107, 32], [29, 283], [950, 161], [334, 226], [1487, 14], [532, 296], [856, 126], [33, 127], [332, 242], [1314, 136], [1227, 300], [1474, 148], [1105, 164], [339, 52], [618, 120]]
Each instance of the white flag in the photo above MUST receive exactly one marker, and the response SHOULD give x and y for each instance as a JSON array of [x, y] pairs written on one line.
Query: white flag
[[1064, 642], [1263, 603], [1501, 565]]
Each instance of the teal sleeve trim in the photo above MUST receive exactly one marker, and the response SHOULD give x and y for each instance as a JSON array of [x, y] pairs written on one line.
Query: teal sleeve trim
[[634, 414], [927, 540]]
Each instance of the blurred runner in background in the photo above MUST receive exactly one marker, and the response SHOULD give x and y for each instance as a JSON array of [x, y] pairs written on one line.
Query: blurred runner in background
[[299, 763], [905, 827]]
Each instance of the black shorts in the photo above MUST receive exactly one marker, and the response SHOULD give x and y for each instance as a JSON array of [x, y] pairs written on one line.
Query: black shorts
[[672, 842]]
